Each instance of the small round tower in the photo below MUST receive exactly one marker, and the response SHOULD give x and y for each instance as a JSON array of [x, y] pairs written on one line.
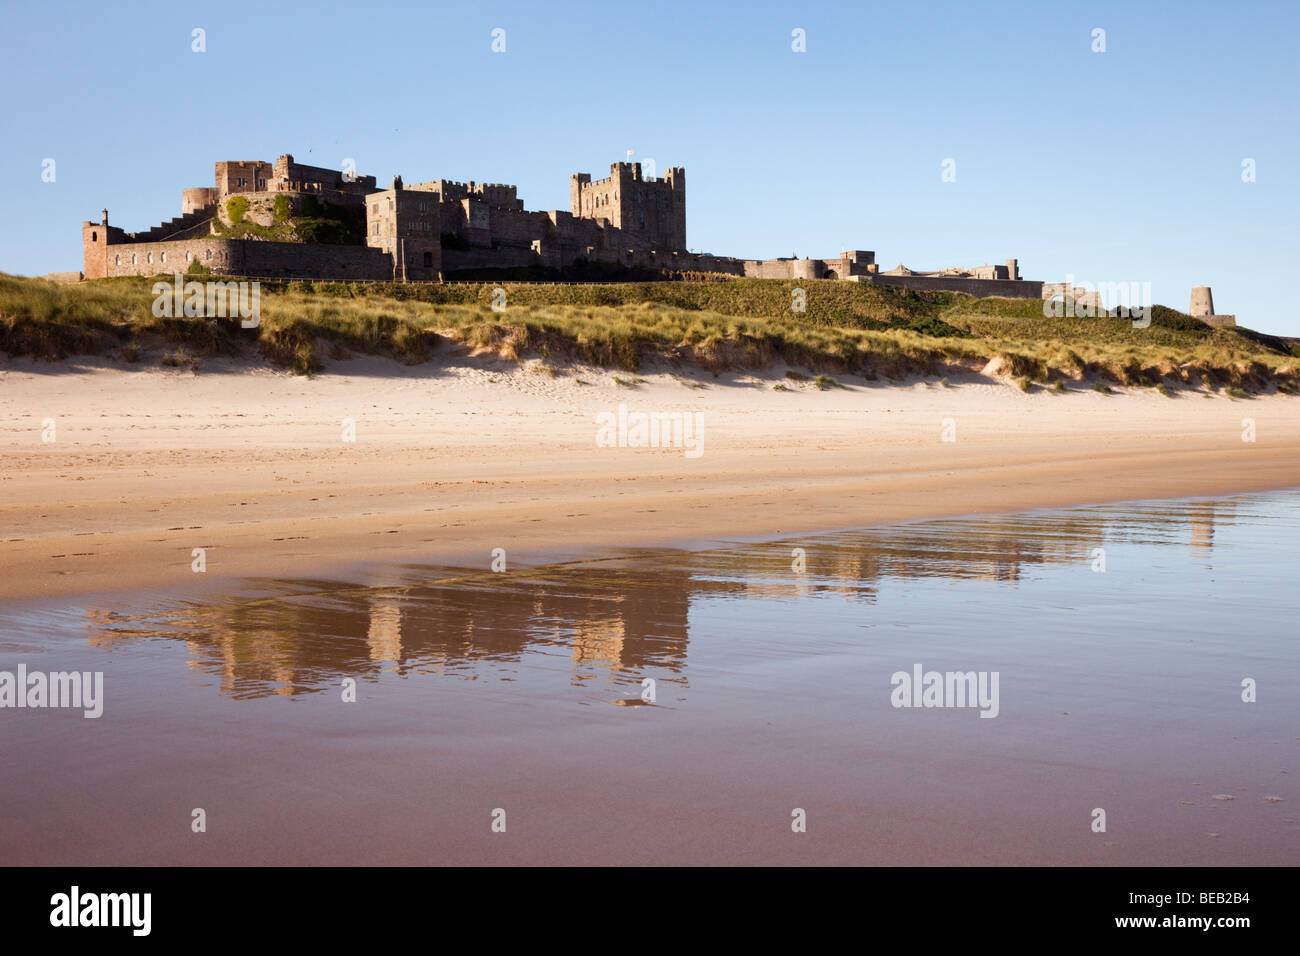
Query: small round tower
[[1202, 302]]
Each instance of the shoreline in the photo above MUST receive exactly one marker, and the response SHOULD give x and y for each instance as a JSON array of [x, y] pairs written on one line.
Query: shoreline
[[450, 463]]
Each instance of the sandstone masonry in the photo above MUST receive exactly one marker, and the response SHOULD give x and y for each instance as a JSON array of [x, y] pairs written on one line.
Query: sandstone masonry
[[424, 231]]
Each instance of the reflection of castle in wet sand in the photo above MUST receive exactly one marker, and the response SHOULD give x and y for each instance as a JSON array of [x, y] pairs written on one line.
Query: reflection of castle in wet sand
[[313, 633], [384, 637], [1203, 523], [618, 618]]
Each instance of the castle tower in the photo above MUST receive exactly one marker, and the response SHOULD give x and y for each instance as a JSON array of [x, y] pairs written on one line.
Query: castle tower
[[649, 213], [676, 180], [94, 247], [197, 198], [406, 225], [622, 175], [1202, 302], [577, 182]]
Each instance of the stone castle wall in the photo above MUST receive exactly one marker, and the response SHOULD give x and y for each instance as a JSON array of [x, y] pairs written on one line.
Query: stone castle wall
[[274, 259], [494, 194], [454, 259], [1005, 288], [246, 257], [790, 269]]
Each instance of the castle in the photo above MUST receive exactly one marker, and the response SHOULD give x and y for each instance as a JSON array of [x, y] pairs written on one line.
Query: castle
[[288, 220]]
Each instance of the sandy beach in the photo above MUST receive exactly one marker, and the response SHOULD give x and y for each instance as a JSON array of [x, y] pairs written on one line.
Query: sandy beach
[[327, 559], [451, 461]]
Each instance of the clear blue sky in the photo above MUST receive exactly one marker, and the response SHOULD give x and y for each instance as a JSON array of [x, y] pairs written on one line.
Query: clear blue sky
[[1115, 166]]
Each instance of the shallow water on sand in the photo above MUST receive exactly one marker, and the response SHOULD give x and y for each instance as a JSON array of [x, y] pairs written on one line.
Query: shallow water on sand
[[774, 690]]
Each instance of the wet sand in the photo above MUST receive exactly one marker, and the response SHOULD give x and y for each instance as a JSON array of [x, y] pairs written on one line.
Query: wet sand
[[479, 692], [450, 463]]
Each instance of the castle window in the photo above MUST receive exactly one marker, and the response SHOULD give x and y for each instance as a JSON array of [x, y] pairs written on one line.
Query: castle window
[[261, 184], [119, 260], [133, 259], [208, 254], [164, 257], [428, 260], [241, 181], [94, 237], [187, 255], [149, 258]]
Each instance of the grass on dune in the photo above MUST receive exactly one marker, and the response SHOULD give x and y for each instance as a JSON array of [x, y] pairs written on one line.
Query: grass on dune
[[848, 328]]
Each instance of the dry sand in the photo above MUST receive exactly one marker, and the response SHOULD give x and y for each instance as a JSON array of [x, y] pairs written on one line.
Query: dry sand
[[450, 462]]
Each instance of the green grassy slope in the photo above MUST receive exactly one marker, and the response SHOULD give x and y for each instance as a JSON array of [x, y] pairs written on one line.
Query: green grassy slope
[[848, 328]]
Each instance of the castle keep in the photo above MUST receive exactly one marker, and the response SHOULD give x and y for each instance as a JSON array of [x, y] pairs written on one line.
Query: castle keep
[[652, 210], [290, 220]]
